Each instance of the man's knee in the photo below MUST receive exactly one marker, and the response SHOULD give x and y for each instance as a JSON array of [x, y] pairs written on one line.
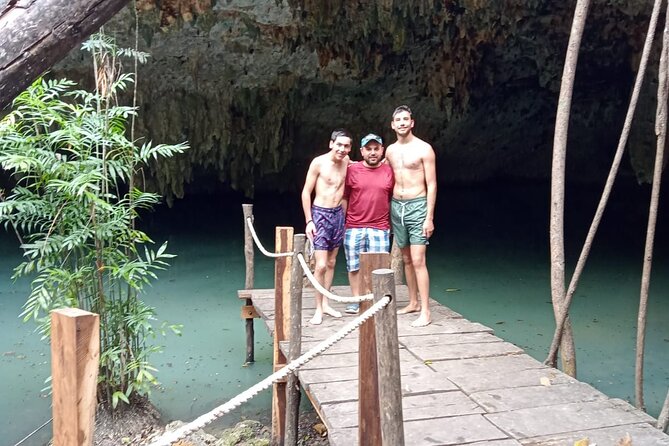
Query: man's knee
[[321, 267], [418, 262]]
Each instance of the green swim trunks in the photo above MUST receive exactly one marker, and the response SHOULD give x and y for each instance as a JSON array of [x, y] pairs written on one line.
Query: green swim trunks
[[407, 218]]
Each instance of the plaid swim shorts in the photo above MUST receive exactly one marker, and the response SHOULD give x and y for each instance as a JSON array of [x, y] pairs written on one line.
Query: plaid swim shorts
[[357, 240]]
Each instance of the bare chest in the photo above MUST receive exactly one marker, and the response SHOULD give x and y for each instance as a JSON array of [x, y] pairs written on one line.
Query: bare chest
[[406, 160]]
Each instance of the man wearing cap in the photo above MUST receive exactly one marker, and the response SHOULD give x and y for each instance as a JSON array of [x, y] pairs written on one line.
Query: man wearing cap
[[367, 194]]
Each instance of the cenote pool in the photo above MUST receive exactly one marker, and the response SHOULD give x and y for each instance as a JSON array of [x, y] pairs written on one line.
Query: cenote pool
[[488, 260]]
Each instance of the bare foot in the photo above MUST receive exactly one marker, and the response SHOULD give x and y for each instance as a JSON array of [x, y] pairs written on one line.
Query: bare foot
[[331, 311], [409, 309], [317, 319], [422, 321]]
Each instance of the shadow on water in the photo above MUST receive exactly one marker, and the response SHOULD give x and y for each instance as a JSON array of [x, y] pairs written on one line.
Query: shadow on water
[[489, 260]]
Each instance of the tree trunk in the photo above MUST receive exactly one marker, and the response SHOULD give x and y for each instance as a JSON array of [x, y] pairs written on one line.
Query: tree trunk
[[568, 353], [661, 132], [622, 143], [35, 35], [663, 419]]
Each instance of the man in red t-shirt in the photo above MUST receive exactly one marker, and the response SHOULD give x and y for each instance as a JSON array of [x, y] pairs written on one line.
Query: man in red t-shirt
[[367, 194]]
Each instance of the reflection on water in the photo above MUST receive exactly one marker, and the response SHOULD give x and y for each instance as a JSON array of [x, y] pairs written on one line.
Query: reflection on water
[[488, 260]]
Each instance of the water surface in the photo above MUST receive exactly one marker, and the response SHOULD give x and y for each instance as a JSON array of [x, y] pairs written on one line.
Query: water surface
[[488, 260]]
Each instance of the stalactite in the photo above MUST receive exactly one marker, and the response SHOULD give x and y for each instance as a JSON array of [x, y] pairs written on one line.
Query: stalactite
[[256, 86]]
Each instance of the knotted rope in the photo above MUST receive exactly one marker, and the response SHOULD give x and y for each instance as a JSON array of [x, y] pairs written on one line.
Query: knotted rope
[[326, 293], [307, 271], [170, 437], [261, 247]]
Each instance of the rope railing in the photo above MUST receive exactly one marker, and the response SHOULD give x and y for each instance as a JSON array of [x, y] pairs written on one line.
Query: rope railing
[[170, 437], [307, 271], [262, 249], [326, 293]]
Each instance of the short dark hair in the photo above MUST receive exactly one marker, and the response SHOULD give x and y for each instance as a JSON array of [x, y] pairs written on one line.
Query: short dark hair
[[340, 132], [403, 108]]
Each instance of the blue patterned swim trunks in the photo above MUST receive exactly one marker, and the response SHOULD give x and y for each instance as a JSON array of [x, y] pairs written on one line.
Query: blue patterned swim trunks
[[329, 227]]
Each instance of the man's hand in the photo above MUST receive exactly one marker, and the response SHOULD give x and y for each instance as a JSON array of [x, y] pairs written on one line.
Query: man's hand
[[428, 228], [310, 230]]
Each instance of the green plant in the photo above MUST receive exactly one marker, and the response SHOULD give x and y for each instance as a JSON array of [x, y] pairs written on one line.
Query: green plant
[[74, 207]]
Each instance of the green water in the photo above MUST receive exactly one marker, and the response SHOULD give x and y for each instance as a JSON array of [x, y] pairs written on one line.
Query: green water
[[488, 260]]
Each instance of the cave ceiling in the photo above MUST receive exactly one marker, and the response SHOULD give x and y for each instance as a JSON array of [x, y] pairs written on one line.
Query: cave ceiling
[[256, 87]]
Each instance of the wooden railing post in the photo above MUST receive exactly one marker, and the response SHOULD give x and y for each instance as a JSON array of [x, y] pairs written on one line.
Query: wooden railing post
[[75, 358], [249, 282], [387, 346], [369, 422], [397, 263], [293, 393], [282, 269]]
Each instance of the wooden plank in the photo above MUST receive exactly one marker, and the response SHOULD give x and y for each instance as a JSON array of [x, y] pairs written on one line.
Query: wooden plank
[[347, 437], [340, 391], [447, 339], [453, 431], [510, 379], [75, 356], [502, 400], [464, 351], [501, 364], [327, 361], [341, 385], [642, 434], [468, 429], [565, 418], [244, 294], [347, 345], [414, 407], [249, 312], [420, 378], [443, 325]]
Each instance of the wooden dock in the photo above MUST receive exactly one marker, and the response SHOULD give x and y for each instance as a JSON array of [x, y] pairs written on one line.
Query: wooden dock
[[461, 385]]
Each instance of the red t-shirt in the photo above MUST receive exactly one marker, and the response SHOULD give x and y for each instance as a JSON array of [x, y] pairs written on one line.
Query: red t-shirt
[[368, 191]]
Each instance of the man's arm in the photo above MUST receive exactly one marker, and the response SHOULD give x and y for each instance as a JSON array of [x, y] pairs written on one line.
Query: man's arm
[[429, 167], [347, 189], [309, 184]]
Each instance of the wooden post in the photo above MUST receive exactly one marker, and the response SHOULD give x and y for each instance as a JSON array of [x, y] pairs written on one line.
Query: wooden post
[[397, 263], [387, 346], [369, 422], [75, 358], [250, 278], [293, 393], [282, 269]]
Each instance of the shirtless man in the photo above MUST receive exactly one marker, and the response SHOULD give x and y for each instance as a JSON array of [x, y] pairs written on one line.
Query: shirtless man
[[325, 216], [412, 208]]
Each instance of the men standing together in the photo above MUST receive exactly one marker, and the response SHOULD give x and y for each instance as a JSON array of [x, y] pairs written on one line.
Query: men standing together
[[362, 191]]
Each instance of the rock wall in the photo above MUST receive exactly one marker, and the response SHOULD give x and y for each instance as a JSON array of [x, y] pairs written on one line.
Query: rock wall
[[257, 86]]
